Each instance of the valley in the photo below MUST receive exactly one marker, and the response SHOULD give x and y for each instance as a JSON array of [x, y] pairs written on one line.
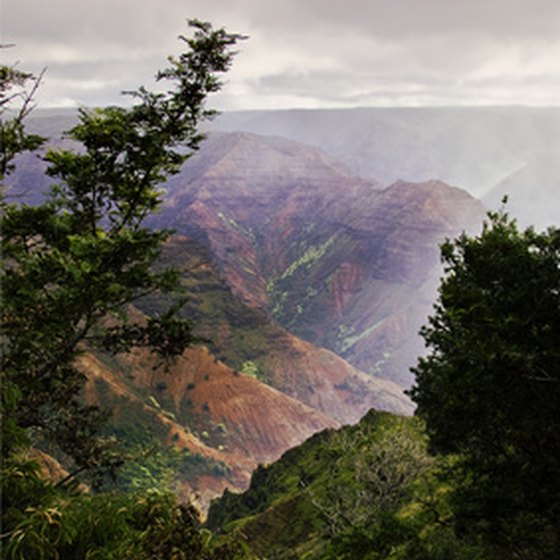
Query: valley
[[307, 280]]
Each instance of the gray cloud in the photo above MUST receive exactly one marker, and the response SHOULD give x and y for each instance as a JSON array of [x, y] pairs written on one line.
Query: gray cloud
[[386, 18], [301, 53]]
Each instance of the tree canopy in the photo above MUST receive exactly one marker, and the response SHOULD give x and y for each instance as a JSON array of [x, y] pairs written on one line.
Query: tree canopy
[[490, 389], [71, 268]]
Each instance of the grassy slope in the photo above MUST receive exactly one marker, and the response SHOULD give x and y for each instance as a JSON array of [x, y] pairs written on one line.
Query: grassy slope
[[288, 509]]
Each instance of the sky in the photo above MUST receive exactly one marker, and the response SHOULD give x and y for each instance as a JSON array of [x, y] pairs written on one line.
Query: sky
[[300, 53]]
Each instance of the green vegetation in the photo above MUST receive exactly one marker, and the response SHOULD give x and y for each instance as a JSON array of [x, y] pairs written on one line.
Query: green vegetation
[[71, 266], [364, 491], [252, 370], [480, 481], [143, 526], [311, 255], [154, 467], [280, 287], [490, 389]]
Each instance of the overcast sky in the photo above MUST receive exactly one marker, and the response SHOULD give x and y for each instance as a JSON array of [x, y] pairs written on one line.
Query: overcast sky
[[301, 53]]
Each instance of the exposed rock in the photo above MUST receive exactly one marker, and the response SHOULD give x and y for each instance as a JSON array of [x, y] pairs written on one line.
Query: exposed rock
[[336, 260], [244, 337], [202, 405]]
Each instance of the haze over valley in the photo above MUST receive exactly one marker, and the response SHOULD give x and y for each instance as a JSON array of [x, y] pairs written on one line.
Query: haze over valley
[[308, 246]]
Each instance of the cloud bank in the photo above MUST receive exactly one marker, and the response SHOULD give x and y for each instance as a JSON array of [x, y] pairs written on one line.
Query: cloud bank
[[311, 53]]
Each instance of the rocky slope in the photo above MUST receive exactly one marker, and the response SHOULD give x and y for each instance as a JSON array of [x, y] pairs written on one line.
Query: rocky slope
[[245, 339], [226, 422], [250, 197], [336, 260]]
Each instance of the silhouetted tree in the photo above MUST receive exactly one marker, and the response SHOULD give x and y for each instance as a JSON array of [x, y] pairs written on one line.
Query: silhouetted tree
[[490, 389], [71, 267]]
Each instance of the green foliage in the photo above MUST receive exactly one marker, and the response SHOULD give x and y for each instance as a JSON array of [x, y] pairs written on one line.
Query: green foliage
[[146, 526], [490, 389], [253, 370], [71, 268], [278, 288], [14, 139], [158, 468], [369, 491], [342, 491], [74, 263], [311, 255]]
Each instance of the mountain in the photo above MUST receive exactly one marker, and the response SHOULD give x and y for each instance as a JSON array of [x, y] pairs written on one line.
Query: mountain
[[476, 148], [336, 260], [245, 339], [230, 193], [308, 285]]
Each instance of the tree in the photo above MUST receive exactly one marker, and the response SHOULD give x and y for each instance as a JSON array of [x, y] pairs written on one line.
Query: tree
[[373, 476], [490, 389], [73, 265], [150, 526], [14, 139]]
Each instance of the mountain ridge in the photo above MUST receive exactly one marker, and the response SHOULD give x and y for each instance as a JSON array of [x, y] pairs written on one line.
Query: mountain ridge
[[309, 252], [309, 285]]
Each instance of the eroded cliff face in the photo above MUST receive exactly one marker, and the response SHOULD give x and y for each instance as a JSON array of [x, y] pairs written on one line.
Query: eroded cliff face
[[228, 420], [308, 284], [338, 261], [241, 416], [246, 340], [250, 199]]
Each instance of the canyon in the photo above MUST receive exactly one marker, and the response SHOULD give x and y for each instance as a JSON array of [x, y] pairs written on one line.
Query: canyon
[[307, 281]]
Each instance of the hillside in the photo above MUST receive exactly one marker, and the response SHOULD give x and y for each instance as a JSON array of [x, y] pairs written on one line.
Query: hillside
[[474, 147], [218, 423], [315, 496], [480, 149], [338, 261], [245, 339]]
